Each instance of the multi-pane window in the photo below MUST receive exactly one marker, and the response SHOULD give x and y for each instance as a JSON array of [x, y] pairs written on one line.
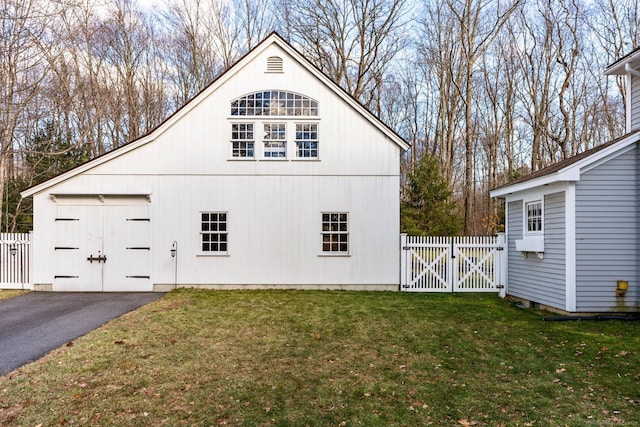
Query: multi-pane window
[[307, 140], [274, 103], [213, 232], [242, 141], [275, 136], [534, 216], [259, 111], [335, 232]]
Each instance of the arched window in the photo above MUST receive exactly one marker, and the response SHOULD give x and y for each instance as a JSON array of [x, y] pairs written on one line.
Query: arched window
[[274, 103]]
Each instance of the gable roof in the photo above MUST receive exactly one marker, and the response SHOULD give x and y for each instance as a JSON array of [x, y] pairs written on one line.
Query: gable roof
[[568, 169], [273, 38]]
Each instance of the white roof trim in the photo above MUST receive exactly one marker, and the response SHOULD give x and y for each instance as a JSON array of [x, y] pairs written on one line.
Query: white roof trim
[[618, 67], [562, 175], [184, 110], [571, 173]]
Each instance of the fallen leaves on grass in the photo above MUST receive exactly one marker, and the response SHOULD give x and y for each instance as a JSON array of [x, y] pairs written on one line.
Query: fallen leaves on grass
[[186, 363]]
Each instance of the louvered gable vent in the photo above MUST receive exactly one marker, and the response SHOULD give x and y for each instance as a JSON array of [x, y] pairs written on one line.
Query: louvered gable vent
[[274, 64]]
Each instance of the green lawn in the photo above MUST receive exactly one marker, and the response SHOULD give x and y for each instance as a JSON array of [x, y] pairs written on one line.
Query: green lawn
[[296, 358]]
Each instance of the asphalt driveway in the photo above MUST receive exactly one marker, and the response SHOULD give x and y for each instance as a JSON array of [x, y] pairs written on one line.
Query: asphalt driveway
[[32, 325]]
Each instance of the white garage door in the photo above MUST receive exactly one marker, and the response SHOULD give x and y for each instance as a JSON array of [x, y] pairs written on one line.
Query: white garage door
[[103, 246]]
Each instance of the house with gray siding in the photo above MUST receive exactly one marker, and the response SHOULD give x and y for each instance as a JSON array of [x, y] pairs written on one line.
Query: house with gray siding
[[573, 229]]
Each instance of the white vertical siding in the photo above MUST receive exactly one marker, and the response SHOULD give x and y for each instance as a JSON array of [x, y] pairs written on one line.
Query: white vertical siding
[[607, 235], [531, 278], [274, 230], [274, 207]]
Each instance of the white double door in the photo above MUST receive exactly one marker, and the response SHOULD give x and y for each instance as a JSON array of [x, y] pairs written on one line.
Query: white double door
[[103, 247]]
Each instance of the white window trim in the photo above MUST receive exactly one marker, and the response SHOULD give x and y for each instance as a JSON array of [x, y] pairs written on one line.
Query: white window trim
[[290, 121], [266, 141], [348, 233], [200, 252], [296, 140], [290, 141], [231, 141], [532, 241], [525, 218]]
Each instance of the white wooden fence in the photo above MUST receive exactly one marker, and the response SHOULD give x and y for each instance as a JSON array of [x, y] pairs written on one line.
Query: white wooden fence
[[428, 263], [452, 264], [15, 256]]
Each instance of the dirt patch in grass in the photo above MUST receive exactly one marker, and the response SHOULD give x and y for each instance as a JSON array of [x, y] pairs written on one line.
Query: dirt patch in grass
[[333, 358]]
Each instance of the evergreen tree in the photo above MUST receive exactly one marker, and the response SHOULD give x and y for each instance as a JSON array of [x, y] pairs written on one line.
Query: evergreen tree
[[17, 217], [50, 154], [426, 208]]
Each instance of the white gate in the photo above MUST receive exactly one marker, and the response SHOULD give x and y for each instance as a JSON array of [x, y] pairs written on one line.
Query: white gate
[[14, 260], [452, 264]]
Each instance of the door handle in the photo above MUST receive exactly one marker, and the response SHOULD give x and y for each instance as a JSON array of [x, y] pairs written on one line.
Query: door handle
[[99, 258]]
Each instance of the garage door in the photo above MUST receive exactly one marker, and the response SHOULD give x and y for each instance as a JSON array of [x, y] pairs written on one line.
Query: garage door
[[104, 246]]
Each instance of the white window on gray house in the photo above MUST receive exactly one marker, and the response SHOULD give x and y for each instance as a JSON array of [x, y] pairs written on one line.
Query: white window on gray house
[[275, 140], [533, 212], [335, 232], [307, 140], [242, 142], [213, 232]]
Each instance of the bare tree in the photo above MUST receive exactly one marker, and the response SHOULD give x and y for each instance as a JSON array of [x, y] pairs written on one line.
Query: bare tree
[[352, 41], [556, 78], [126, 38], [255, 18], [79, 75], [478, 24], [22, 75], [440, 56], [190, 46], [495, 106], [567, 42], [491, 88], [616, 25]]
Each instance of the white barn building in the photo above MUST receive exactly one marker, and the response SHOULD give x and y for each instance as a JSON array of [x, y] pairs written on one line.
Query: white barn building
[[272, 176]]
